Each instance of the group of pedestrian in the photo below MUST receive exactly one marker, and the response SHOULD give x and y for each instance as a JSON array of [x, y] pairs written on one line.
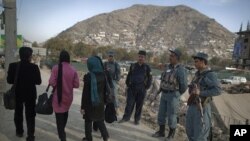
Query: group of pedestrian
[[64, 79]]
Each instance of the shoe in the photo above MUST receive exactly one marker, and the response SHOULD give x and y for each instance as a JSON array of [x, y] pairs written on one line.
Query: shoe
[[158, 134], [106, 139], [122, 121], [170, 134], [30, 138], [84, 139], [19, 135], [137, 123]]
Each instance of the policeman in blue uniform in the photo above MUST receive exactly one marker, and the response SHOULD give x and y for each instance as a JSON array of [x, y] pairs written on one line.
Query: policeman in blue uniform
[[173, 85], [203, 87], [114, 70], [138, 81]]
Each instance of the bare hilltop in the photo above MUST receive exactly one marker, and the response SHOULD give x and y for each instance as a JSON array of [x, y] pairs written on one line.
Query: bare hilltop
[[154, 28]]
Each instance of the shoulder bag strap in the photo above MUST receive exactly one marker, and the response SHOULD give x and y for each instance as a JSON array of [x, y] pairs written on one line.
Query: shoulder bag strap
[[47, 89]]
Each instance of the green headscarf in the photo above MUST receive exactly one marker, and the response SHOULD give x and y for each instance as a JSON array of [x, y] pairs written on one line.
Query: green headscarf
[[94, 65]]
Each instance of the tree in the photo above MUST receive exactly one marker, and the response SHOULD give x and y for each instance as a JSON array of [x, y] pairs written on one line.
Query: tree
[[35, 44], [185, 57], [55, 45], [220, 62]]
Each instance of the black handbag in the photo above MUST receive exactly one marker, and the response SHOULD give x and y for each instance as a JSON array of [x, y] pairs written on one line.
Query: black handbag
[[44, 104], [9, 97], [110, 113], [109, 95]]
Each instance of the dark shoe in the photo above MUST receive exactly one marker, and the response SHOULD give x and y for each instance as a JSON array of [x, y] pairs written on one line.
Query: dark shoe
[[106, 139], [170, 134], [158, 134], [122, 121], [137, 123], [30, 138], [19, 135], [84, 139]]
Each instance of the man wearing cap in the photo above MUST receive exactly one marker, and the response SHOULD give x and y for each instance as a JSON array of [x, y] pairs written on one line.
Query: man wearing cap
[[203, 86], [138, 81], [173, 85], [113, 68], [28, 76]]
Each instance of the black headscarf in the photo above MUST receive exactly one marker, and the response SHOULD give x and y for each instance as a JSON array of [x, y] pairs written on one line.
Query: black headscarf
[[64, 57]]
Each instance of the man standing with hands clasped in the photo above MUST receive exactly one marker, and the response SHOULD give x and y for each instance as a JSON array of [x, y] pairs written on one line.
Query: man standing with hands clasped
[[138, 81]]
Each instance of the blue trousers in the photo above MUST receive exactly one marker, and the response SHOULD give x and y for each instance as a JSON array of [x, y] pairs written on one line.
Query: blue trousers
[[195, 130], [168, 108], [135, 98]]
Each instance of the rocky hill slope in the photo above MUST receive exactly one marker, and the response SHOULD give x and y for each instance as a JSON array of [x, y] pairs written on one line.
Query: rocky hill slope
[[154, 28]]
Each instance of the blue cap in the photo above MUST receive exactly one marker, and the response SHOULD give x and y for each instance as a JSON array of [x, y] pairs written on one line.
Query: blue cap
[[142, 52], [176, 51], [201, 55], [111, 53]]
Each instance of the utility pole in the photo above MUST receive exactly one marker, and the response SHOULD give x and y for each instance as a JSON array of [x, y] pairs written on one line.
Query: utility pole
[[10, 35]]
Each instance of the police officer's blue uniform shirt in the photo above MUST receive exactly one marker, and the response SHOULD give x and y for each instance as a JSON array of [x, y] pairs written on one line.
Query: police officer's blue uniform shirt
[[209, 85]]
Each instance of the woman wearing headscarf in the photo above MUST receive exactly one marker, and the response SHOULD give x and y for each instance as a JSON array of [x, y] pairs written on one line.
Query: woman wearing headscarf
[[93, 96], [63, 79]]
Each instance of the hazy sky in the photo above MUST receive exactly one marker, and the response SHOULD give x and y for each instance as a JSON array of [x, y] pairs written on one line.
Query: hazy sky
[[39, 20]]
